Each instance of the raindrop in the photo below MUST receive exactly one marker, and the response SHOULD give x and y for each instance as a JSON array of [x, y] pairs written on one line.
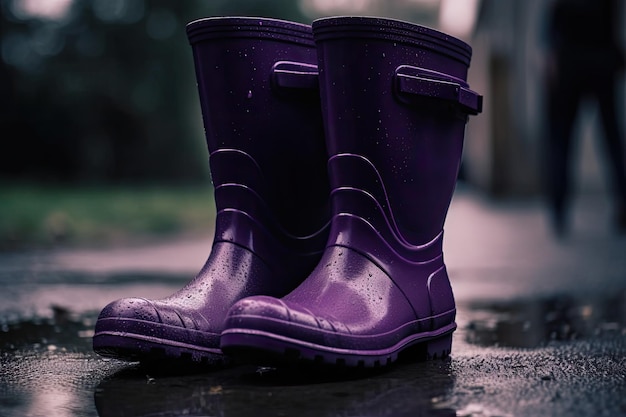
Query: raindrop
[[249, 94]]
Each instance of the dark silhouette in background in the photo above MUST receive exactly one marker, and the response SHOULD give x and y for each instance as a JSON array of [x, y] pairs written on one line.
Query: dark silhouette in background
[[584, 61]]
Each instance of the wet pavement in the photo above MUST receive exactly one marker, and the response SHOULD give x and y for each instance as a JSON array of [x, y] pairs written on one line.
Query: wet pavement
[[542, 331]]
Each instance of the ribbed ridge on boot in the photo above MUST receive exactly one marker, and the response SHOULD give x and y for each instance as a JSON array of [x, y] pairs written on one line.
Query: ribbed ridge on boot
[[362, 194], [244, 193], [246, 217], [249, 27]]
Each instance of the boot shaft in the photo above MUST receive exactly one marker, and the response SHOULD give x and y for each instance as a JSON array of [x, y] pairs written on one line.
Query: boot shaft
[[261, 112], [395, 103]]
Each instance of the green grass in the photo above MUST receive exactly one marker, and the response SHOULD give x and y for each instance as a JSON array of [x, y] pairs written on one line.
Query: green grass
[[35, 216]]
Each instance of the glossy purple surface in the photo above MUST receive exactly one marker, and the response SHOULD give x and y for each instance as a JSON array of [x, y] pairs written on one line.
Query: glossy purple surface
[[394, 154], [264, 134]]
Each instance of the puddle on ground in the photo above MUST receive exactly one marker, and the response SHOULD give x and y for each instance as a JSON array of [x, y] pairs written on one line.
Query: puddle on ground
[[537, 322], [65, 331]]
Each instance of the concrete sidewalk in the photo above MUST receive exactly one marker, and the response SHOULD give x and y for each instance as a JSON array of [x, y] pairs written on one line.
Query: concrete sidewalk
[[542, 330], [507, 250]]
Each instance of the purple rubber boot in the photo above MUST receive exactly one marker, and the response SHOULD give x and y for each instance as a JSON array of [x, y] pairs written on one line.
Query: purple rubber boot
[[395, 103], [259, 95]]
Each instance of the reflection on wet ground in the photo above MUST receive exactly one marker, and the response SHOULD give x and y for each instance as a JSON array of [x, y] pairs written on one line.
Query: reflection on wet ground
[[410, 389], [536, 322], [64, 328]]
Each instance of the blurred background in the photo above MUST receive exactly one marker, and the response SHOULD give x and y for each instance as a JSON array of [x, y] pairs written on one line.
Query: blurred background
[[102, 138]]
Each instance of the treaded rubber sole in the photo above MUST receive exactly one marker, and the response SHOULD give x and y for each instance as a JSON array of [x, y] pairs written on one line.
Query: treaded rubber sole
[[140, 348], [267, 349]]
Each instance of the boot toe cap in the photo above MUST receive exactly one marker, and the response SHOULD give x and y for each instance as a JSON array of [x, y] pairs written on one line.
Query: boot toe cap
[[143, 310], [131, 308]]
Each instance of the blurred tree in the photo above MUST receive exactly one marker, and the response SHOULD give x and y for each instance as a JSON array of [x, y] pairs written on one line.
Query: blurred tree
[[104, 91]]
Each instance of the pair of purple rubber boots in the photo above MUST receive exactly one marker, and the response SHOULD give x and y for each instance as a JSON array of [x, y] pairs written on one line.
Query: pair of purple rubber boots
[[334, 153]]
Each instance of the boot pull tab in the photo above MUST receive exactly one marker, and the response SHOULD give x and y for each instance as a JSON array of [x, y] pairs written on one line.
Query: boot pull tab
[[415, 81], [289, 74]]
